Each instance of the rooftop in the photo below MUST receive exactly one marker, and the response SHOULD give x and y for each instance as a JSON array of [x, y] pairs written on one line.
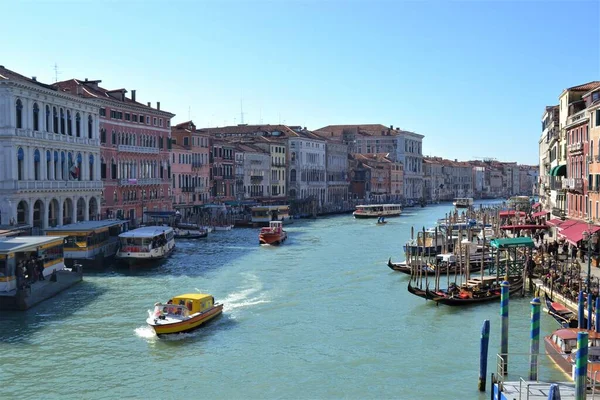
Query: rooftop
[[145, 232], [13, 244], [86, 225]]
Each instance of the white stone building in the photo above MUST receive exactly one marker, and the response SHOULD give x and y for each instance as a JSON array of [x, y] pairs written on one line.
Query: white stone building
[[409, 152], [50, 165], [307, 167], [256, 171]]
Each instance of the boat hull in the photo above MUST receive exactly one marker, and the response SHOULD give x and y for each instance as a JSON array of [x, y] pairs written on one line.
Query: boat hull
[[386, 215], [564, 363], [188, 324], [457, 301], [132, 260], [272, 238]]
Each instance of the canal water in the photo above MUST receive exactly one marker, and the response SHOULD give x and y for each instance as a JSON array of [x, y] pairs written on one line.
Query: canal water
[[320, 317]]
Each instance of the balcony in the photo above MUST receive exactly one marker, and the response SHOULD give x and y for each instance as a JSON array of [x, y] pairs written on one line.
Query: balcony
[[558, 212], [138, 149], [575, 147], [278, 164], [56, 137], [576, 118], [256, 178], [573, 184], [197, 164], [143, 181], [52, 185], [187, 189], [199, 189]]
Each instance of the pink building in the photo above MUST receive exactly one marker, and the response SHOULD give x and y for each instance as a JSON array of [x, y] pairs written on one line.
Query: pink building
[[134, 149]]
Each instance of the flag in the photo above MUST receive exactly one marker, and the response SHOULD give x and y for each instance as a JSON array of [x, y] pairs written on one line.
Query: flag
[[74, 171]]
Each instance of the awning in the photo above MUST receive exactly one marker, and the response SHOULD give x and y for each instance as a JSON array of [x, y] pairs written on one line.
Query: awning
[[536, 205], [512, 242], [555, 222], [539, 214], [574, 233], [511, 213], [559, 170], [517, 227]]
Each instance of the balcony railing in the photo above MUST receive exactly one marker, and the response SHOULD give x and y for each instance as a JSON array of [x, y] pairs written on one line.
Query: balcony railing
[[575, 147], [197, 164], [278, 164], [52, 185], [256, 177], [57, 137], [577, 117], [138, 149], [574, 184], [199, 189], [142, 181]]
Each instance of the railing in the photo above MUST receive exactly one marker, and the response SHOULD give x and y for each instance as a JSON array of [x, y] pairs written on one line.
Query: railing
[[575, 147], [572, 184], [143, 181], [138, 149], [199, 189], [256, 177], [278, 164], [577, 117], [197, 164], [57, 137], [68, 185]]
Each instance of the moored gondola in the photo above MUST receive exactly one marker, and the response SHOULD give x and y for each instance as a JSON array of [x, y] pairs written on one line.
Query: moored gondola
[[466, 295], [565, 317], [416, 291]]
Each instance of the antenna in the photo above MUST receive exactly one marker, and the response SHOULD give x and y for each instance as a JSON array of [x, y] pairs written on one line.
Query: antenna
[[241, 112], [56, 73], [189, 113]]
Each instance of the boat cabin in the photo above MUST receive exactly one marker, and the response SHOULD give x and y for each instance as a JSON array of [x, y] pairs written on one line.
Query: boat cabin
[[143, 240], [274, 227], [185, 305], [84, 241], [565, 340], [19, 256]]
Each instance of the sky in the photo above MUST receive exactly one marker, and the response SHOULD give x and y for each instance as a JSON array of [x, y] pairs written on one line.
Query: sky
[[472, 76]]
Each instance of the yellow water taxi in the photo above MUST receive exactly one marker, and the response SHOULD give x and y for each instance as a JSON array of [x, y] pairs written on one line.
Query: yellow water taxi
[[183, 313]]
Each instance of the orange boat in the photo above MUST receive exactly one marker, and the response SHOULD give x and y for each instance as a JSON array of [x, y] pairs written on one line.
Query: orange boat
[[273, 234]]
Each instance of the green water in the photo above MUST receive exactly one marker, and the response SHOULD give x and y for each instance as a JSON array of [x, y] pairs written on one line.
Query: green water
[[319, 317]]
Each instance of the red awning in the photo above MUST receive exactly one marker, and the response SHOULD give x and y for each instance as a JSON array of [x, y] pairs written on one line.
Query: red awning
[[539, 214], [536, 205], [555, 222], [574, 233], [515, 227], [511, 213]]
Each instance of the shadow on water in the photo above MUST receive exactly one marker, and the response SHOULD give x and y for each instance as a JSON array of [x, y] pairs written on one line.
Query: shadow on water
[[20, 326]]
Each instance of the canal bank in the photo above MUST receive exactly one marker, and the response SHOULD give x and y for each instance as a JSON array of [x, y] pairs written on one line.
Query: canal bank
[[321, 316]]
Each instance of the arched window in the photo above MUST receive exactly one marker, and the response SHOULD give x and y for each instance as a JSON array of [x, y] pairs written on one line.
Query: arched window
[[20, 163], [36, 117], [19, 109], [36, 165], [56, 166], [293, 175], [55, 119], [48, 164], [62, 121], [69, 124], [90, 127], [103, 135], [91, 167], [63, 167], [78, 125]]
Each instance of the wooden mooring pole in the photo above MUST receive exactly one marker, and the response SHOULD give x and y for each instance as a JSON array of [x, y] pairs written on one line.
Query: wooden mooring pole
[[483, 354]]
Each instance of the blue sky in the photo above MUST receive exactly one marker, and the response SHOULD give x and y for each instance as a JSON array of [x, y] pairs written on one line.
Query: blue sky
[[473, 77]]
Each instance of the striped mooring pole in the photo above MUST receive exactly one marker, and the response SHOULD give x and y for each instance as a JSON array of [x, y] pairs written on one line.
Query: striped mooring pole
[[534, 348], [483, 354], [581, 364], [597, 318], [580, 311], [590, 301], [504, 292]]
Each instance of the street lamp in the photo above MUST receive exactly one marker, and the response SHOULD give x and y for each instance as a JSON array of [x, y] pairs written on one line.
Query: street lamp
[[591, 239]]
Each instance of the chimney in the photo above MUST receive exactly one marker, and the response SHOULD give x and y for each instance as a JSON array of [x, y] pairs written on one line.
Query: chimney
[[158, 105], [392, 127], [86, 79], [397, 129], [34, 78], [149, 104], [133, 95]]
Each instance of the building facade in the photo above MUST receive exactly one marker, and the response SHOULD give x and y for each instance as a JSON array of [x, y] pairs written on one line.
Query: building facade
[[592, 100], [549, 146], [307, 172], [337, 172], [135, 150], [49, 173], [255, 172], [222, 170]]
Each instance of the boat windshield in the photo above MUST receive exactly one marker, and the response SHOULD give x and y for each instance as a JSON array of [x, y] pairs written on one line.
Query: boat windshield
[[569, 345], [171, 310]]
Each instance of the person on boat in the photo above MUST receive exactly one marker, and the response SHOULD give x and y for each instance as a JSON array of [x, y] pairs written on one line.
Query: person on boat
[[383, 220]]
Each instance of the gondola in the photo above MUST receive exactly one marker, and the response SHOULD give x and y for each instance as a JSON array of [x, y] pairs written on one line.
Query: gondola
[[406, 269], [400, 267], [479, 297], [416, 291], [565, 317]]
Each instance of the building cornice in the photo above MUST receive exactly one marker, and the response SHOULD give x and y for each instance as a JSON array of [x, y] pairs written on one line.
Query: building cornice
[[139, 108], [48, 92]]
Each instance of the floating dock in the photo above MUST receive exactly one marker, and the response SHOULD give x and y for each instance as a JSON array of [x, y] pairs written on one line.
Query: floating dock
[[532, 390]]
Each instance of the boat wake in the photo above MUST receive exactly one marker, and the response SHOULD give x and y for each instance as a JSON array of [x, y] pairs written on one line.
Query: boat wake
[[145, 332], [250, 296]]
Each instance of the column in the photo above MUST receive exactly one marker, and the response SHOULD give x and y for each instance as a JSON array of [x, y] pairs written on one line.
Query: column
[[43, 164], [52, 166], [29, 174], [30, 211], [74, 210], [86, 212], [46, 211], [85, 165], [60, 211]]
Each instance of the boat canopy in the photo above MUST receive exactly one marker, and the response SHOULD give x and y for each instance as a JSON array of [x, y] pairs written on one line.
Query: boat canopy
[[512, 242], [195, 302]]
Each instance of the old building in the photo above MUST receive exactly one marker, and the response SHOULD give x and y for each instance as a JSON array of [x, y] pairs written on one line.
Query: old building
[[254, 171], [549, 146], [592, 100], [222, 170], [134, 146], [307, 177], [336, 165], [50, 165]]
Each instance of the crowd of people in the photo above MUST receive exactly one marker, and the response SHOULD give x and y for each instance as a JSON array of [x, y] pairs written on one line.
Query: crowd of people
[[29, 270]]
